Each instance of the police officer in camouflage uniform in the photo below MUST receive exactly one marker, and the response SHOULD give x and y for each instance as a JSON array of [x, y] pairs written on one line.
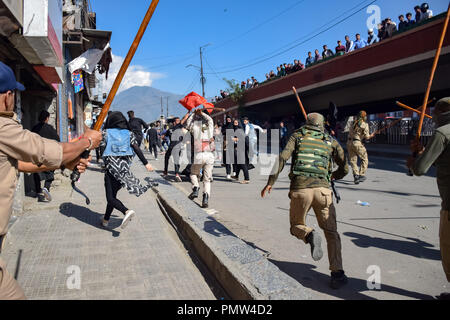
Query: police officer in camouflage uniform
[[312, 151], [358, 133], [437, 152]]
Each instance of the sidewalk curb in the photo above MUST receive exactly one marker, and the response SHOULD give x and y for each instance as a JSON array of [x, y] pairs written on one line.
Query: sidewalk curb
[[244, 273]]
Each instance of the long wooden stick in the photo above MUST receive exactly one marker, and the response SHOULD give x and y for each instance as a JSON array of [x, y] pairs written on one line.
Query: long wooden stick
[[387, 127], [125, 65], [412, 109], [300, 103], [433, 70]]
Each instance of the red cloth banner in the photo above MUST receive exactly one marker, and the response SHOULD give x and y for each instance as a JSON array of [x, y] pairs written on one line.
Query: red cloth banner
[[192, 100], [209, 107]]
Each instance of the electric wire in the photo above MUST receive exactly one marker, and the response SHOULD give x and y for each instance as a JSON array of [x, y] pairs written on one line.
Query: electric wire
[[265, 58]]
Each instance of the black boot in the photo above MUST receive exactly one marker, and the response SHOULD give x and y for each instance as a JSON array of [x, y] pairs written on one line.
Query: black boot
[[205, 200], [315, 241], [362, 179], [356, 179], [444, 296], [194, 194], [338, 279]]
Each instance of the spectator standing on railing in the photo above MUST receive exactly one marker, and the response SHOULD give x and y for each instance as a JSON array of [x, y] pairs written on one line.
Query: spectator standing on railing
[[255, 82], [301, 65], [243, 85], [309, 59], [340, 49], [426, 12], [409, 19], [382, 30], [360, 43], [391, 28], [279, 74], [349, 45], [287, 68], [249, 84], [327, 53], [295, 67], [267, 77], [372, 38], [317, 57], [403, 24], [272, 74], [419, 15]]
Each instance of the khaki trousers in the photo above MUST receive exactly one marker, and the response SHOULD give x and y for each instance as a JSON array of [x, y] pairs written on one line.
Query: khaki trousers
[[356, 149], [444, 237], [9, 288], [205, 161], [321, 200]]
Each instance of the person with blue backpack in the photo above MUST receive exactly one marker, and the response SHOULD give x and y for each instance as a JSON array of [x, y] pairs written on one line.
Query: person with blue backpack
[[120, 145]]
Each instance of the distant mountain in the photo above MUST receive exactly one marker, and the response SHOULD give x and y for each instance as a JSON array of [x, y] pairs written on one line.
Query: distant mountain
[[146, 103]]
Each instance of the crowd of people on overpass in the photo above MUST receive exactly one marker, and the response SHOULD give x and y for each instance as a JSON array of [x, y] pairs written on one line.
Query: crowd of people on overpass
[[386, 29]]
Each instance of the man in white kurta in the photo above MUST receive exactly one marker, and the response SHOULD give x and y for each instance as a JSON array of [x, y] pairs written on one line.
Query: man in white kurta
[[201, 127]]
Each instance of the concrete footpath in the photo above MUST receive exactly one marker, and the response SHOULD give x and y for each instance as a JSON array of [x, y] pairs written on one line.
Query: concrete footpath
[[59, 250]]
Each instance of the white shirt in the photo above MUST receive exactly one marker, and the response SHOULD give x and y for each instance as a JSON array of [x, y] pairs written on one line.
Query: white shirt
[[427, 15], [256, 127], [200, 130]]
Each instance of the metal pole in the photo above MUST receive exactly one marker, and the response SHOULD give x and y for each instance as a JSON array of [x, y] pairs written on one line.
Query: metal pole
[[202, 79], [162, 108], [167, 114]]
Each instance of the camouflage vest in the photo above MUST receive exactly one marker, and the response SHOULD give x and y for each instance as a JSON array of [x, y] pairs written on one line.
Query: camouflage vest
[[313, 154]]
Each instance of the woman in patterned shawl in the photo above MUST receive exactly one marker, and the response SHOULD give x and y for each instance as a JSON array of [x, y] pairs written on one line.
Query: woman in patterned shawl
[[118, 157]]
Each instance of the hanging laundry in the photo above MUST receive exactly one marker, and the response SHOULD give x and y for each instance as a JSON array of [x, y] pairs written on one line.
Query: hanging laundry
[[77, 80], [88, 60]]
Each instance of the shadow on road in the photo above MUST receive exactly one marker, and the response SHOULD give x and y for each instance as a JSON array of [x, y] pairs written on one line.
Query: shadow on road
[[415, 248], [395, 165], [90, 217], [405, 194], [354, 290]]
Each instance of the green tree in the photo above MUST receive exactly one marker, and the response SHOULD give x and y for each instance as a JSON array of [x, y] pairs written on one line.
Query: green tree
[[236, 93]]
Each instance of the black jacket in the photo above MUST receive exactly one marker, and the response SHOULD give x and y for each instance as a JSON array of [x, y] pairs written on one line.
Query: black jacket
[[46, 131], [152, 136], [136, 125]]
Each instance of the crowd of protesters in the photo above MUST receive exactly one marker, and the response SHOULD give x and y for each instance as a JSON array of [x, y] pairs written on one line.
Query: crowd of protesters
[[386, 29]]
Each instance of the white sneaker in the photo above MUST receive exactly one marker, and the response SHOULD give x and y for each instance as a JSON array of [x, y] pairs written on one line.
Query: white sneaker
[[128, 217], [104, 223], [229, 178], [47, 194]]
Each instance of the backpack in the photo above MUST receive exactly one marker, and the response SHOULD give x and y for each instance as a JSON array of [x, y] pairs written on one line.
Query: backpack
[[313, 151]]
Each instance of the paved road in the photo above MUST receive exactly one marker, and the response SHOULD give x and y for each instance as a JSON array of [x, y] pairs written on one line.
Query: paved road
[[398, 232], [144, 261]]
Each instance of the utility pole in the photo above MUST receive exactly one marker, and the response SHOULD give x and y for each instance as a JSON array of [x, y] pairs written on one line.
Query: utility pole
[[162, 108], [167, 115], [202, 77]]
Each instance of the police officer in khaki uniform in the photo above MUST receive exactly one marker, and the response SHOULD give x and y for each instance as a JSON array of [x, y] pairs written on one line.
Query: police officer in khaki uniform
[[312, 151], [21, 150], [358, 133], [437, 152]]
